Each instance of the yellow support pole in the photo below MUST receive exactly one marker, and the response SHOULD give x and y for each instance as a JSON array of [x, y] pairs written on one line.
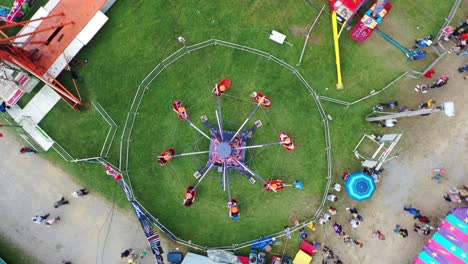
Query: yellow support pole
[[342, 27], [339, 85]]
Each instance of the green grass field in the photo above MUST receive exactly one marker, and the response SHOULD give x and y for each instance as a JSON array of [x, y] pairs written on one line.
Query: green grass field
[[140, 34], [12, 253], [292, 107]]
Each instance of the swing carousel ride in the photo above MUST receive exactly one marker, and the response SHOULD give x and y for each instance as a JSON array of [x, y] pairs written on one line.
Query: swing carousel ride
[[227, 150]]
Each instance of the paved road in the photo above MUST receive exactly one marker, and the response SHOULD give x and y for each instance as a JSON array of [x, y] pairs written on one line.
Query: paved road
[[90, 230]]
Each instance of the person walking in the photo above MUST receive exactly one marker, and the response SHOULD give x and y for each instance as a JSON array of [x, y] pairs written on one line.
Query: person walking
[[303, 234], [60, 202], [287, 232], [428, 104], [346, 239], [400, 231], [337, 187], [26, 150], [440, 82], [426, 230], [143, 253], [4, 107], [354, 212], [391, 122], [38, 219], [415, 212], [454, 198], [80, 193], [379, 235], [337, 228], [126, 253], [358, 243], [424, 219], [52, 221], [355, 223], [403, 232]]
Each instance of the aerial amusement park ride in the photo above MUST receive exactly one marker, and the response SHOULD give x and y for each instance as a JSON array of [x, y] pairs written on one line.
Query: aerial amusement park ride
[[227, 149], [344, 10]]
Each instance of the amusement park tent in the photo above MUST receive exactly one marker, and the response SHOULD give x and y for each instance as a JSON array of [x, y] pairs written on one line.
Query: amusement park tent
[[222, 256], [450, 243], [360, 186], [191, 258]]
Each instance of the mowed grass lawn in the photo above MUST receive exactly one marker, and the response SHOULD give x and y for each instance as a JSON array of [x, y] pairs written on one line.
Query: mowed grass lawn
[[139, 35], [157, 127]]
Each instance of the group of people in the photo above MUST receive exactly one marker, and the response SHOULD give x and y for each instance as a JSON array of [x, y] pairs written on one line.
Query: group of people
[[132, 255], [425, 228], [355, 221], [459, 35], [440, 82], [328, 254], [457, 195], [39, 219], [428, 104]]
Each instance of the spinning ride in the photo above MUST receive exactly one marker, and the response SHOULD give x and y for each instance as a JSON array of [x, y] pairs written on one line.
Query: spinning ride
[[227, 149]]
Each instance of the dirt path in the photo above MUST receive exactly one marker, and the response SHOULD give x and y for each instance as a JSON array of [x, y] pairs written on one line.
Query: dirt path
[[428, 142], [90, 230]]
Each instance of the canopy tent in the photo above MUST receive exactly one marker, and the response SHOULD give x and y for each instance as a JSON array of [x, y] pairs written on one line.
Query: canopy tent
[[191, 258], [450, 243], [360, 186]]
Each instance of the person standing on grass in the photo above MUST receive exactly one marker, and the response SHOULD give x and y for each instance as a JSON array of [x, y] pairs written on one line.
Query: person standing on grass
[[287, 231], [337, 228], [331, 197], [391, 122], [38, 219], [337, 187], [303, 234]]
